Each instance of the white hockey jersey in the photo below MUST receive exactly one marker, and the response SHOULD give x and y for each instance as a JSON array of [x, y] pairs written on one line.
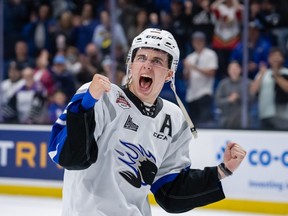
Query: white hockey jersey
[[137, 149]]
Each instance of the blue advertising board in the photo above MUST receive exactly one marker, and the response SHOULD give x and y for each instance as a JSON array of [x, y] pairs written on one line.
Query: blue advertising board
[[24, 153]]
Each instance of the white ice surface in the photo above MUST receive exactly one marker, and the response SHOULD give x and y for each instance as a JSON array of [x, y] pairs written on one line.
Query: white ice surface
[[39, 206]]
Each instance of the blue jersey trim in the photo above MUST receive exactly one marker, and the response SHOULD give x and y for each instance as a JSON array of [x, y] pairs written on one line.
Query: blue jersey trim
[[59, 130], [76, 101], [88, 101], [57, 140], [163, 180]]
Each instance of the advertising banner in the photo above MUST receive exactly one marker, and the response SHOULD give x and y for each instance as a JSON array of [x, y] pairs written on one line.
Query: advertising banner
[[263, 175], [24, 153]]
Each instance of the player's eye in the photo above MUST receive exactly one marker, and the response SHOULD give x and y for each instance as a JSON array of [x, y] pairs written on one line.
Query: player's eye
[[141, 58], [157, 62]]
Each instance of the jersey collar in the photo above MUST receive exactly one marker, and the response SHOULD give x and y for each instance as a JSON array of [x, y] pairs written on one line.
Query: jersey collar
[[145, 110]]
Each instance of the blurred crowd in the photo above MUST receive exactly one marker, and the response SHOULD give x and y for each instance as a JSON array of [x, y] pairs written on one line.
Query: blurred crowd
[[53, 47]]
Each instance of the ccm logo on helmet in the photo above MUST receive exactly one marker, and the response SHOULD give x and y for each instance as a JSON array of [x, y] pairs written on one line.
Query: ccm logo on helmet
[[154, 37]]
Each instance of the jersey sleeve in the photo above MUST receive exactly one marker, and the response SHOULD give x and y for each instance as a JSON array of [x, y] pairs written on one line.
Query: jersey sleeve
[[178, 188], [72, 142]]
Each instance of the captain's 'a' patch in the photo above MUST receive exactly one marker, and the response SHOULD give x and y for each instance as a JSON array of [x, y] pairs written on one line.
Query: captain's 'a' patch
[[167, 125]]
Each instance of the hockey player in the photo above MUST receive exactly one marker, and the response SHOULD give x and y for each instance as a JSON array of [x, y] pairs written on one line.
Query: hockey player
[[118, 144]]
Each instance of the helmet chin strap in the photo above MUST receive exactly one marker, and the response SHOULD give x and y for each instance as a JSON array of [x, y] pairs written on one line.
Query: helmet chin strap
[[184, 111]]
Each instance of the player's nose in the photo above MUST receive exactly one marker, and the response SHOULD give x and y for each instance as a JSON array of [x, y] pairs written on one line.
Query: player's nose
[[147, 65]]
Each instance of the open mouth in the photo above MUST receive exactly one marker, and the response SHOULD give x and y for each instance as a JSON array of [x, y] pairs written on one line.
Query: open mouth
[[145, 81]]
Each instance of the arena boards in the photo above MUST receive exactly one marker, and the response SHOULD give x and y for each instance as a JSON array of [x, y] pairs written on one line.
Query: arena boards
[[259, 186]]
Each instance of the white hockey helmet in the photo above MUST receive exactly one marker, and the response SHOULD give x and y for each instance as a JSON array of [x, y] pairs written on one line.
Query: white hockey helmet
[[157, 39]]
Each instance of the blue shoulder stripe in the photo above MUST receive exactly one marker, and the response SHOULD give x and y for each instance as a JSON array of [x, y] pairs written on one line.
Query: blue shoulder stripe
[[57, 140], [163, 180], [166, 179], [59, 131]]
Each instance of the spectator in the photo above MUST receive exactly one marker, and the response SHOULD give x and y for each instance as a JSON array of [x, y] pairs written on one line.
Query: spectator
[[200, 18], [165, 20], [227, 17], [258, 48], [199, 69], [127, 11], [280, 8], [15, 17], [57, 105], [140, 23], [90, 62], [22, 57], [77, 30], [179, 25], [42, 73], [154, 20], [11, 85], [271, 85], [176, 22], [38, 31], [62, 37], [228, 98], [96, 7], [103, 37], [73, 63], [63, 79], [27, 104], [60, 7], [268, 17], [84, 27], [254, 9]]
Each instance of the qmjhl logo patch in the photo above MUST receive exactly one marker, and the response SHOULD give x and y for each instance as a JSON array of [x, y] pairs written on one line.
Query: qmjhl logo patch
[[129, 124]]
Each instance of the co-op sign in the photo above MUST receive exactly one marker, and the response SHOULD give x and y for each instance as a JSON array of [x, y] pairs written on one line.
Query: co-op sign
[[262, 157], [265, 157]]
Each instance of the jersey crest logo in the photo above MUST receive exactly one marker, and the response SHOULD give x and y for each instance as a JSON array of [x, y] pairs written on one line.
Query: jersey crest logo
[[122, 102], [141, 163], [130, 125]]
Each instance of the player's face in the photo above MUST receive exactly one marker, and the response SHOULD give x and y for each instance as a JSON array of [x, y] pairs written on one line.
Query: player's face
[[149, 71]]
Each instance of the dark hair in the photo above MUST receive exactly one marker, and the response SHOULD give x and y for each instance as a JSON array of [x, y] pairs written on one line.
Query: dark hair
[[276, 49], [14, 65], [235, 62]]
